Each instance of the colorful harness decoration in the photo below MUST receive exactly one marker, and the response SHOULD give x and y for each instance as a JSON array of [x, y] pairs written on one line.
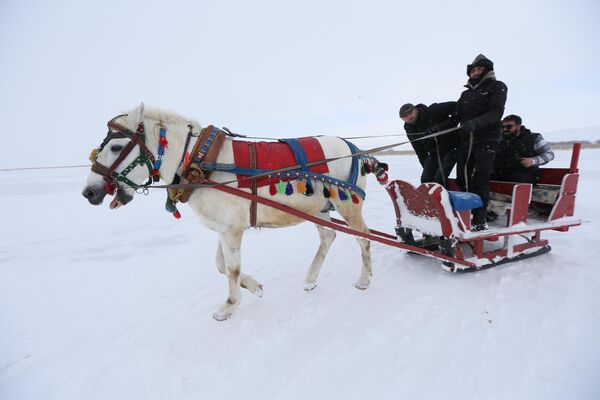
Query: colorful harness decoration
[[284, 166], [287, 153], [162, 143], [276, 164]]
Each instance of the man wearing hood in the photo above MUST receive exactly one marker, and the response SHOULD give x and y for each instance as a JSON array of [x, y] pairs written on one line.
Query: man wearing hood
[[436, 155], [479, 111]]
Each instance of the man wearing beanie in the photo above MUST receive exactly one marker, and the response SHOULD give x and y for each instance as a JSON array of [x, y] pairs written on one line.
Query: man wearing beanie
[[479, 111], [436, 155]]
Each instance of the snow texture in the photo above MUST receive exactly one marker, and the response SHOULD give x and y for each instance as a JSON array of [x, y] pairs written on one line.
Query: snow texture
[[116, 304]]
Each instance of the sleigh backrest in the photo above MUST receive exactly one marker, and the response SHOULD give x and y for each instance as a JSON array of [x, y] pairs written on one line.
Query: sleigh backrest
[[427, 209]]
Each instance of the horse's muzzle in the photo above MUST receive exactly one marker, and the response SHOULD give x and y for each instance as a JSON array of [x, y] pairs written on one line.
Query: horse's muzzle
[[95, 195]]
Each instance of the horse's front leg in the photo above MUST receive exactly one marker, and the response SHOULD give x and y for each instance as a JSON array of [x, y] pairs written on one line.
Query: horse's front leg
[[246, 281], [231, 246]]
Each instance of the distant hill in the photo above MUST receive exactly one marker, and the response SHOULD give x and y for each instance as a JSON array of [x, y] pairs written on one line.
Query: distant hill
[[589, 134]]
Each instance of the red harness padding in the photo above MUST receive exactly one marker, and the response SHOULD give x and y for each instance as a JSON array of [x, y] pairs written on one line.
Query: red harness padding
[[275, 155]]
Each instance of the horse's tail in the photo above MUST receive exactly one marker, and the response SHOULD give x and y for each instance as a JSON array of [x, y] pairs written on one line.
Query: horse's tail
[[377, 168]]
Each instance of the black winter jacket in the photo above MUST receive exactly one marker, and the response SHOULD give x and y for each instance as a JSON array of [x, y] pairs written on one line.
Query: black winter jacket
[[484, 103], [435, 114], [511, 150]]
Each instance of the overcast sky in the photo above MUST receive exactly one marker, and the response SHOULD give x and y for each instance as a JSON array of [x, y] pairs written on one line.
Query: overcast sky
[[280, 68]]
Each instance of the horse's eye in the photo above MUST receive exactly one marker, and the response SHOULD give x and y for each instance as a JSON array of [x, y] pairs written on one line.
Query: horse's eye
[[116, 148]]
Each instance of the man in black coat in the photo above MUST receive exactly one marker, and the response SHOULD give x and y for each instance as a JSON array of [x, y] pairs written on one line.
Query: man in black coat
[[479, 111], [520, 154], [437, 155]]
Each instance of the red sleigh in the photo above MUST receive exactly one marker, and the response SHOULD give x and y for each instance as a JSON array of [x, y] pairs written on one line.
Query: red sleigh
[[524, 212]]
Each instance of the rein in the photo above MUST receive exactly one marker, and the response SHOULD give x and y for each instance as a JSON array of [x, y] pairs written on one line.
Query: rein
[[293, 167]]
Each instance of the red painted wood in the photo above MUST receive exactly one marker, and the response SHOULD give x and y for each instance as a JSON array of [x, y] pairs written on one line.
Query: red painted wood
[[565, 204], [441, 213], [575, 158], [418, 200], [502, 187], [552, 176], [521, 197], [391, 189], [425, 200], [519, 248], [465, 217], [373, 231]]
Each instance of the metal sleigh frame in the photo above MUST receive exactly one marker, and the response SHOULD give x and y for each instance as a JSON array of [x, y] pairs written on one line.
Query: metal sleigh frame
[[427, 209]]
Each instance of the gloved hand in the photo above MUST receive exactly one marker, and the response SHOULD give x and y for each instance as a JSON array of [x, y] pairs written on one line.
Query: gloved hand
[[432, 130], [469, 126]]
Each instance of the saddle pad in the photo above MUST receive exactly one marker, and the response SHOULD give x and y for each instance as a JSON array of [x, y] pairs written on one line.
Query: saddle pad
[[276, 155]]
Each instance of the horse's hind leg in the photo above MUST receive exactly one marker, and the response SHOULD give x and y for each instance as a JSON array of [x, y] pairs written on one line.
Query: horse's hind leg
[[327, 236], [352, 214], [231, 246], [246, 281]]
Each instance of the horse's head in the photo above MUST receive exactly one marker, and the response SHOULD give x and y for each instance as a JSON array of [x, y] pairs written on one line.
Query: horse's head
[[122, 163]]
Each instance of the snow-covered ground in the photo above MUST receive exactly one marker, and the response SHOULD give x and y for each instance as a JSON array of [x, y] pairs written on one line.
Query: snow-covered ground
[[116, 304]]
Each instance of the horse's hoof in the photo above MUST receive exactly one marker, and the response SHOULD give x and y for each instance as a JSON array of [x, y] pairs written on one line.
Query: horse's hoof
[[362, 286], [310, 286], [221, 316], [259, 290]]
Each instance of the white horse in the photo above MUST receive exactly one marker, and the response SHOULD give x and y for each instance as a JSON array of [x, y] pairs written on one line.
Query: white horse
[[224, 213]]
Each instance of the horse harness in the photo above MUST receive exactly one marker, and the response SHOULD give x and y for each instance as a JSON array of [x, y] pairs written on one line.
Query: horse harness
[[206, 151], [194, 168], [145, 158]]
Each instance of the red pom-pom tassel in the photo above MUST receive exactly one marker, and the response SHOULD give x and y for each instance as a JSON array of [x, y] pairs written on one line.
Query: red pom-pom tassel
[[163, 142], [272, 189], [176, 214], [382, 178], [354, 198], [186, 161]]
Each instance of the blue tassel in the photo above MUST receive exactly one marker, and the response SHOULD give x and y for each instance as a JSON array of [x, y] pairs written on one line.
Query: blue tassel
[[289, 189], [343, 195]]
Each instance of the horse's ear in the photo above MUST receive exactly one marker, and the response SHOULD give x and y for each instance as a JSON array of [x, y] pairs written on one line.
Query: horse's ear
[[137, 114]]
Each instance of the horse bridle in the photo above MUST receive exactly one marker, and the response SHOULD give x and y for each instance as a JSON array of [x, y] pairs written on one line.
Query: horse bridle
[[137, 139]]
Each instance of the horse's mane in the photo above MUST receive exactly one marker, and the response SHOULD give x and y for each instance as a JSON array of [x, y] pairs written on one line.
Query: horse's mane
[[169, 117]]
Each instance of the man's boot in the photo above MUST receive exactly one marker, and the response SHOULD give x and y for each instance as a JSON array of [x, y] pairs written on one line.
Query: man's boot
[[478, 222]]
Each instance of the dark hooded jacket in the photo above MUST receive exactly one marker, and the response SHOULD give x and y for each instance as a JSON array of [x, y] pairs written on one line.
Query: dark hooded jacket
[[483, 101], [434, 115]]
